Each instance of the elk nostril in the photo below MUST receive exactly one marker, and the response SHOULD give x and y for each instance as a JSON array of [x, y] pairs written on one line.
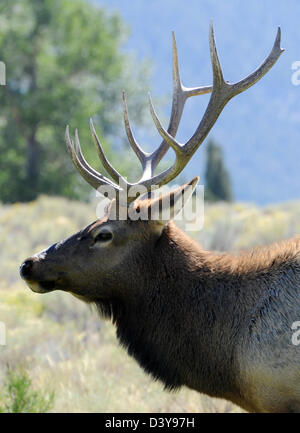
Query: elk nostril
[[25, 268]]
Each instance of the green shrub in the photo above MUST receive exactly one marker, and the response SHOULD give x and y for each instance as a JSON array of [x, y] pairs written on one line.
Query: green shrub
[[18, 395]]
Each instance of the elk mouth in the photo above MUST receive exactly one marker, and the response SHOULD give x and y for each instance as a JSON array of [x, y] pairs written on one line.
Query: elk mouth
[[41, 286], [35, 277]]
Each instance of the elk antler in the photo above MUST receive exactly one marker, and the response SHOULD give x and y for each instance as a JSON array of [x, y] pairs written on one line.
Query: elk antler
[[222, 92], [149, 161]]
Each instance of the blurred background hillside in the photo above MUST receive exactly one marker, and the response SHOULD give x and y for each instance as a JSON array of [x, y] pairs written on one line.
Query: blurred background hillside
[[68, 60]]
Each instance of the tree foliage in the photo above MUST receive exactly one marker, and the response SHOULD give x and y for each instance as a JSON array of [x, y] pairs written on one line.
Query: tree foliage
[[64, 64], [217, 180]]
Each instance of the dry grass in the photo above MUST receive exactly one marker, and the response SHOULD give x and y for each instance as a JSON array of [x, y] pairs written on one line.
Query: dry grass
[[64, 345]]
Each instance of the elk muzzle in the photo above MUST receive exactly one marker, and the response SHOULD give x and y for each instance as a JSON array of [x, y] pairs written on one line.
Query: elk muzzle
[[32, 271]]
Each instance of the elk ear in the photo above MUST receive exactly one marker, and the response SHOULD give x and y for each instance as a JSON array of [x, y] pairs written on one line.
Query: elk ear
[[164, 208]]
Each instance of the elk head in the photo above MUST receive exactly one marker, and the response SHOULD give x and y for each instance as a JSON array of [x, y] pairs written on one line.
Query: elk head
[[99, 261]]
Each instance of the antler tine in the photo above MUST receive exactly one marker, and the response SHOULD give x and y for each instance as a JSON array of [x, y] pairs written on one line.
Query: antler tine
[[177, 83], [262, 69], [79, 155], [218, 79], [142, 156], [221, 94], [106, 164], [85, 173], [94, 178], [180, 95]]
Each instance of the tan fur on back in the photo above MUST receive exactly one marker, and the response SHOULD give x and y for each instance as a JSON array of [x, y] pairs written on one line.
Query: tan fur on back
[[256, 260], [246, 262]]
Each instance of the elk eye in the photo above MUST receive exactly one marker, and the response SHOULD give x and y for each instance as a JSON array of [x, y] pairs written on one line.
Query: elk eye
[[104, 236]]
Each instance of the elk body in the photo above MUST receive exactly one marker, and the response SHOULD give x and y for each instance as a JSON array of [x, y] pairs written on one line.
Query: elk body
[[216, 323]]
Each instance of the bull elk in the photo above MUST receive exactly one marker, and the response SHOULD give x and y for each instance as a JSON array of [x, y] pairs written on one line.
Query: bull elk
[[216, 323]]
